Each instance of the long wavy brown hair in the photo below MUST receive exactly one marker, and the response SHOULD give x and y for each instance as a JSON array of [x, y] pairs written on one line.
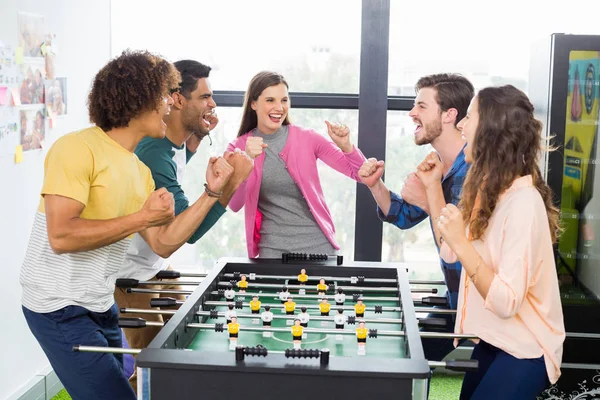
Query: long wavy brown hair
[[507, 145]]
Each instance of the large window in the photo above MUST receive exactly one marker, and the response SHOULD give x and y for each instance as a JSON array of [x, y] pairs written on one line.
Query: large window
[[489, 44], [314, 46], [227, 237], [414, 245]]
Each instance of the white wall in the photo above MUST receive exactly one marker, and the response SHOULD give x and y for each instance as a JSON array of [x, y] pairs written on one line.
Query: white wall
[[82, 31]]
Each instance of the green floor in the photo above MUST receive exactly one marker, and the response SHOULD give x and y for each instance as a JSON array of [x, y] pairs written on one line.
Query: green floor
[[443, 387]]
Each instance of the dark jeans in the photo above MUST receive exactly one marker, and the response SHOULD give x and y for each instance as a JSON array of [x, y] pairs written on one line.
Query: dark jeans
[[503, 377], [85, 376]]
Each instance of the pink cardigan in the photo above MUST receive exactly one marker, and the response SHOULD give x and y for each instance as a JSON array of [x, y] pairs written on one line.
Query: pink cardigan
[[300, 154]]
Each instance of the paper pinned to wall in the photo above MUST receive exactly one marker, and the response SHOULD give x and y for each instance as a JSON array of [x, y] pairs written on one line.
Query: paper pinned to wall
[[18, 154], [19, 55], [3, 96]]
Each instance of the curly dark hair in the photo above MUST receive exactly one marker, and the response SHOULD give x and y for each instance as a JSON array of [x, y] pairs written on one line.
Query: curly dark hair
[[129, 85], [507, 145]]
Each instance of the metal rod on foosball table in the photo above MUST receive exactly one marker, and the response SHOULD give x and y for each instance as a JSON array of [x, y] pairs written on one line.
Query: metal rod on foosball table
[[440, 335], [345, 288], [430, 300], [98, 349], [124, 283], [159, 291], [298, 306], [334, 278]]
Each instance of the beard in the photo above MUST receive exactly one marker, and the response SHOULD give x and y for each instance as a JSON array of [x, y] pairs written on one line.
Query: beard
[[429, 132], [194, 124]]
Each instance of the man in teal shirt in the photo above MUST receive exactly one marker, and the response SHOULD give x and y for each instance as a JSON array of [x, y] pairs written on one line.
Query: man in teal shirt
[[192, 117]]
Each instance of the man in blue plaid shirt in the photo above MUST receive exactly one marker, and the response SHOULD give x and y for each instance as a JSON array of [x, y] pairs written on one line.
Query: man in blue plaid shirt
[[442, 101]]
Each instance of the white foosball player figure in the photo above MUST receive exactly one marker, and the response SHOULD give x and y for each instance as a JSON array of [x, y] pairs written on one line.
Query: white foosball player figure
[[267, 318], [340, 297], [229, 313], [304, 318], [284, 294], [340, 320], [229, 293]]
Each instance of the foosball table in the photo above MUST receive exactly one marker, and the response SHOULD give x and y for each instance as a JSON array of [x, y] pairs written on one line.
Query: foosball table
[[306, 325]]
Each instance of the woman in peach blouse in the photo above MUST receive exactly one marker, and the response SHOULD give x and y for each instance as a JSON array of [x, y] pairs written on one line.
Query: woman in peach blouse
[[502, 233]]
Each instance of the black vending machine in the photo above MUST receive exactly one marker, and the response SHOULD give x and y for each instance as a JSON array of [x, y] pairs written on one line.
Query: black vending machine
[[564, 86]]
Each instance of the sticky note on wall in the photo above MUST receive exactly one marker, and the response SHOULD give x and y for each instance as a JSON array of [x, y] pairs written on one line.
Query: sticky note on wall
[[3, 95], [19, 55], [19, 154]]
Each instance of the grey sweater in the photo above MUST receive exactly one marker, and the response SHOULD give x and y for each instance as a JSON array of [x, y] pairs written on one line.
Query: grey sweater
[[287, 224]]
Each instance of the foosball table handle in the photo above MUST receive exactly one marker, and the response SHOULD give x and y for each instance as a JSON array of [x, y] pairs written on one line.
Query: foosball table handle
[[462, 365], [132, 323], [242, 351], [127, 283], [431, 321], [168, 274], [323, 354], [433, 300], [163, 302]]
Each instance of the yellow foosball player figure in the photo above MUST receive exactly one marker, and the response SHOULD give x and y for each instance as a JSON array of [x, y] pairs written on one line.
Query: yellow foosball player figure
[[302, 278], [255, 305], [233, 328], [359, 307], [322, 287], [290, 306], [324, 307], [297, 331], [242, 284], [361, 332]]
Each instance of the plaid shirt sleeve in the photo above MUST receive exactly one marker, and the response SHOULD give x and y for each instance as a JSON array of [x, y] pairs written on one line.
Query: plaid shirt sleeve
[[402, 214]]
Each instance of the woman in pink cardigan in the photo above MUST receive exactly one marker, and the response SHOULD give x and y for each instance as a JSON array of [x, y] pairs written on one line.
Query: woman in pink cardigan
[[285, 209], [502, 233]]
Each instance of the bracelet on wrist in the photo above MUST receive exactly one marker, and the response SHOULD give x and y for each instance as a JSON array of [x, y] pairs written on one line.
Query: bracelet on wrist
[[473, 276], [212, 193]]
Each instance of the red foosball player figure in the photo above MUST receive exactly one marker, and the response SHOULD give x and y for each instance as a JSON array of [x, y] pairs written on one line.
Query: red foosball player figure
[[359, 307], [322, 287], [290, 306], [242, 284], [297, 331], [255, 305], [302, 278], [233, 328], [324, 307]]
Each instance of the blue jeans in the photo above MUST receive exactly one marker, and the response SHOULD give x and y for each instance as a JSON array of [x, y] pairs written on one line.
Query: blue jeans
[[85, 376], [503, 377]]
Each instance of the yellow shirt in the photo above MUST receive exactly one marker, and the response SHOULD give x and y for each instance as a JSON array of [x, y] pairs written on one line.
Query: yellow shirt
[[109, 182], [255, 305], [302, 278], [242, 284], [321, 287], [324, 307], [297, 330], [360, 308], [290, 306], [361, 333], [233, 328]]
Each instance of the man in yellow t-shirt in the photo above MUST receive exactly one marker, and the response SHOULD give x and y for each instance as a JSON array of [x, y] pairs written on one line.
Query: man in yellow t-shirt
[[297, 331], [233, 328], [96, 194], [255, 305], [361, 332], [290, 306], [324, 307]]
